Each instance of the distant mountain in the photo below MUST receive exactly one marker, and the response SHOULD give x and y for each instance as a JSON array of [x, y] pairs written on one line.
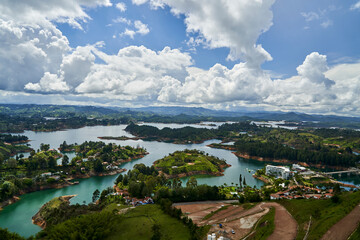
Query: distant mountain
[[170, 113]]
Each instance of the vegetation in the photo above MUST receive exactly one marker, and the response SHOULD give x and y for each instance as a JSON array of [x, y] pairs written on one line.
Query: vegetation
[[190, 161], [40, 170], [265, 227], [355, 235], [324, 213]]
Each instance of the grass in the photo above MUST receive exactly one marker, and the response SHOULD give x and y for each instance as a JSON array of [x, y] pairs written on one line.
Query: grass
[[216, 211], [189, 161], [325, 213], [265, 227], [138, 222], [114, 206], [356, 234]]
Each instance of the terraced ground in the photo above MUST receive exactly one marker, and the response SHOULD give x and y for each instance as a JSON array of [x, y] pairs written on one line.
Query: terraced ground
[[239, 219]]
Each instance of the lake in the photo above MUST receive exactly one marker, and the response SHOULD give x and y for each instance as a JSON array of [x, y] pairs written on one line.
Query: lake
[[17, 217]]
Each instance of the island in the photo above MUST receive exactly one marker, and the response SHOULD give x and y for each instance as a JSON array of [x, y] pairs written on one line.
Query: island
[[189, 163], [46, 212], [43, 169]]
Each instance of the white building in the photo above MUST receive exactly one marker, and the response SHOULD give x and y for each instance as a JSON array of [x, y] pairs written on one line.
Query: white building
[[278, 171], [299, 168]]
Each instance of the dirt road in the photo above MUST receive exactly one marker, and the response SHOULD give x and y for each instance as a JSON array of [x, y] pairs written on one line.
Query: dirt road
[[285, 224], [240, 220], [342, 229]]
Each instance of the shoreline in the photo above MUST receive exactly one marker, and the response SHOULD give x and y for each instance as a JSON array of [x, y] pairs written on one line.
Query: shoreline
[[38, 220], [67, 183]]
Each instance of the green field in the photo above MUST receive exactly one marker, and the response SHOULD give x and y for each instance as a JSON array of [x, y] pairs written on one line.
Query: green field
[[324, 213], [138, 223]]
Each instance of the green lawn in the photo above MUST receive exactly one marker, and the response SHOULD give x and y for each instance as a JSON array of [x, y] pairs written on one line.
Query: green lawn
[[324, 213], [137, 224]]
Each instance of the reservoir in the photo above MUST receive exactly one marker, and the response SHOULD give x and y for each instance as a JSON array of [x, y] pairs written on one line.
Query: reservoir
[[17, 217]]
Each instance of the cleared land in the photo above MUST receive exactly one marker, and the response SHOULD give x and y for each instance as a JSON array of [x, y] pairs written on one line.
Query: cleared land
[[239, 219]]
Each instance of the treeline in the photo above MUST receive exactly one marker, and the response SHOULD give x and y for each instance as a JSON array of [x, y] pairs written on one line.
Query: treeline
[[13, 138], [98, 225], [321, 155], [169, 134], [19, 124]]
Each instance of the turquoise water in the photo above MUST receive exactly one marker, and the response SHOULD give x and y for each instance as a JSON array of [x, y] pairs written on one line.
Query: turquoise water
[[17, 217]]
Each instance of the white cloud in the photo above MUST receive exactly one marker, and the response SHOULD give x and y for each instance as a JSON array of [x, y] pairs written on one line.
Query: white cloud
[[139, 2], [310, 16], [320, 17], [355, 6], [140, 28], [48, 83], [122, 20], [36, 13], [129, 33], [326, 23], [121, 6], [31, 45], [135, 72], [226, 23]]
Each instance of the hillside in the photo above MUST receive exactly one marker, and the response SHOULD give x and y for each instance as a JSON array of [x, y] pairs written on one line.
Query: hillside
[[190, 162]]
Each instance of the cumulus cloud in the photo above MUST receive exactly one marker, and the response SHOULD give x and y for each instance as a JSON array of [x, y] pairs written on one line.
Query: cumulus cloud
[[121, 6], [37, 13], [31, 45], [140, 28], [226, 23], [48, 83], [135, 71]]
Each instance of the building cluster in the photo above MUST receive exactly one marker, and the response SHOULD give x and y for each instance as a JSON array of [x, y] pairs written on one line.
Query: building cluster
[[298, 192]]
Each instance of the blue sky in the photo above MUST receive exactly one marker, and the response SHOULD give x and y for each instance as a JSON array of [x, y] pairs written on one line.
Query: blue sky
[[222, 54]]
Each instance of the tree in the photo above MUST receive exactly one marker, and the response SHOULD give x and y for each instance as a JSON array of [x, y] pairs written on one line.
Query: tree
[[98, 167], [192, 182], [96, 195], [244, 182], [11, 163], [52, 162], [44, 147], [65, 160], [176, 183]]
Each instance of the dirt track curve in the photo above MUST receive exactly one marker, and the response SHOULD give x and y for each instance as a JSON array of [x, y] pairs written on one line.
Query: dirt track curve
[[285, 224]]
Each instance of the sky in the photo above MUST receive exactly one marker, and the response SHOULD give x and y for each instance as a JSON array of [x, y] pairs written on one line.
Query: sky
[[273, 55]]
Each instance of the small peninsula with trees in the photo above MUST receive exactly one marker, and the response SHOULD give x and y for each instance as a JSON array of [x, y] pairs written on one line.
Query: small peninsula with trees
[[190, 162]]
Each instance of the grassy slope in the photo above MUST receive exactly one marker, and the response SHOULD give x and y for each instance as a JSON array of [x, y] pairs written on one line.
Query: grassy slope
[[201, 163], [265, 227], [138, 222], [324, 213]]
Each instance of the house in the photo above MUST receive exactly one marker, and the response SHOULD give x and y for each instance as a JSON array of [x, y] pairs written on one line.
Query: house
[[47, 174], [278, 171], [274, 196]]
